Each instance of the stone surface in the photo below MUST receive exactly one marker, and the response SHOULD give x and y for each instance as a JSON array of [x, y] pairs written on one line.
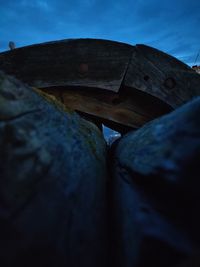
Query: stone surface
[[52, 182], [192, 261], [156, 185]]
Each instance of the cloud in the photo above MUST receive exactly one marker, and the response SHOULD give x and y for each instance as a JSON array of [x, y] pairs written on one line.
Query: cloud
[[166, 25]]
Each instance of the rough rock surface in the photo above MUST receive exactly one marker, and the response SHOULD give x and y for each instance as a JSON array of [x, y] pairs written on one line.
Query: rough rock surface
[[52, 183], [156, 185]]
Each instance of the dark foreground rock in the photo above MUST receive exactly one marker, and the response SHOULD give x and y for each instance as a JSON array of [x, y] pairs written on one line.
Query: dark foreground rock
[[156, 190], [191, 261], [52, 183]]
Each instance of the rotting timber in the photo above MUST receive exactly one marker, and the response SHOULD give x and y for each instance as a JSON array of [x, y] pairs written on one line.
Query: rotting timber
[[117, 84]]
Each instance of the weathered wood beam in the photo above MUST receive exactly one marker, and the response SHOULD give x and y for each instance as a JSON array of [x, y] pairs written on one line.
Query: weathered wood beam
[[161, 75], [130, 109], [120, 71], [72, 62]]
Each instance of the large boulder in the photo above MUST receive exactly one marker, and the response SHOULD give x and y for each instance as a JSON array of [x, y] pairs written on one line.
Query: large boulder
[[52, 182], [156, 188]]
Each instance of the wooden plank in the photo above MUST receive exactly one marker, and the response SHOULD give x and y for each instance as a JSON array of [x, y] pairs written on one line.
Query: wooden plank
[[124, 80], [162, 76], [72, 62], [127, 109]]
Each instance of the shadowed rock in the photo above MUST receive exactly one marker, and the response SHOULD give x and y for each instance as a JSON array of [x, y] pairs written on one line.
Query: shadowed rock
[[156, 190], [52, 183]]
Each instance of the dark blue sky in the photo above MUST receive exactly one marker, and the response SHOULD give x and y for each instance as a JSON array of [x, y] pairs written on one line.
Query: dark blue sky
[[171, 26]]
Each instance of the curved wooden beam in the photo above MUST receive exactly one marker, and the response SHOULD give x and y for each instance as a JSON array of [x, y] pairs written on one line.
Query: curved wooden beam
[[115, 82]]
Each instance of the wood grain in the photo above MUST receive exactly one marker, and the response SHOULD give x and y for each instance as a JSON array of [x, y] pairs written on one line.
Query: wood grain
[[161, 75], [115, 82], [79, 62], [128, 109]]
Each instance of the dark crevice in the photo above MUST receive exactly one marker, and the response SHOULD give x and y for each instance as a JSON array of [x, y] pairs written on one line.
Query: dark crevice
[[21, 115], [125, 72], [146, 78]]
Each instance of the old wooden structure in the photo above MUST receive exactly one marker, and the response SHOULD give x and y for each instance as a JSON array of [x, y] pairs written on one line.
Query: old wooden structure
[[117, 84]]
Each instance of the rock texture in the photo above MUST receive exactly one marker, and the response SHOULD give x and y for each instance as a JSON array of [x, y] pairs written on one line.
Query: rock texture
[[156, 185], [60, 204], [52, 182]]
